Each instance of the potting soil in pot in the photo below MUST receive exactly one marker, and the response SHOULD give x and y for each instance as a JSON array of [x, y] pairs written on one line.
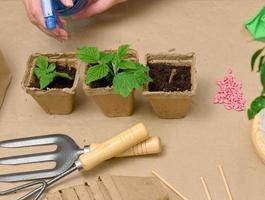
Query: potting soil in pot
[[169, 77], [101, 83], [58, 82]]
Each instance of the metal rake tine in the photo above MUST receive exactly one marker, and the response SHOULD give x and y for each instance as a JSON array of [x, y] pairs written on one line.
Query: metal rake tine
[[31, 175], [20, 187], [39, 191], [30, 141], [27, 159]]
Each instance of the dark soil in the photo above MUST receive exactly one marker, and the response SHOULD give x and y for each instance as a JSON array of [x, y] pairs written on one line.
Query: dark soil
[[101, 83], [59, 82], [161, 73]]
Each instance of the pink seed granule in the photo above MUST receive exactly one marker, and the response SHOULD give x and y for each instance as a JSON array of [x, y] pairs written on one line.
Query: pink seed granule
[[230, 93]]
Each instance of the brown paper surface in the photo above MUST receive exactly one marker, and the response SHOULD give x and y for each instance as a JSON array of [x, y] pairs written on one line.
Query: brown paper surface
[[131, 188], [5, 78], [195, 145], [110, 187]]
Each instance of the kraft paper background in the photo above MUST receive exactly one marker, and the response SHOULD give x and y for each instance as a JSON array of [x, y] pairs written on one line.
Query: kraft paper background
[[194, 146]]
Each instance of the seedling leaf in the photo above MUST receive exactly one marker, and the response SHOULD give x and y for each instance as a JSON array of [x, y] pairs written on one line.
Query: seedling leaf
[[141, 79], [46, 80], [106, 57], [42, 62], [51, 68], [125, 75], [120, 54], [46, 73], [122, 51], [63, 75], [96, 72], [141, 67], [39, 72], [124, 83], [89, 55], [125, 64]]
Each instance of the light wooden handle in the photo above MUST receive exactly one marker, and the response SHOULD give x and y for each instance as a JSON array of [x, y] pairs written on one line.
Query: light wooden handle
[[114, 146], [150, 146]]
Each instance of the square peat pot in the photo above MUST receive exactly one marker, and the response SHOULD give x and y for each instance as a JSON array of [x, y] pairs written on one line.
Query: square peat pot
[[58, 98], [174, 84], [111, 103]]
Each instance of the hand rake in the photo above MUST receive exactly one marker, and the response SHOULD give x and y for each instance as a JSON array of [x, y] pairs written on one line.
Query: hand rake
[[69, 157]]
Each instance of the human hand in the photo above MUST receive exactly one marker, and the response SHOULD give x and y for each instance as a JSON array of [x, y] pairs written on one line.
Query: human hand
[[98, 6], [35, 15]]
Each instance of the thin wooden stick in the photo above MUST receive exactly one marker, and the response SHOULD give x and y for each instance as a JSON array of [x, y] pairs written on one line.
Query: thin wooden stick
[[225, 182], [206, 189], [173, 73], [168, 185]]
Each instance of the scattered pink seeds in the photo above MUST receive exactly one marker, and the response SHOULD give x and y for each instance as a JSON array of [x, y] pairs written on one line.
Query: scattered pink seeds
[[230, 93]]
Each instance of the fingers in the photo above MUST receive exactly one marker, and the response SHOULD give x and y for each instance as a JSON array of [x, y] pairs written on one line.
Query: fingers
[[98, 7], [35, 15], [62, 22], [67, 3]]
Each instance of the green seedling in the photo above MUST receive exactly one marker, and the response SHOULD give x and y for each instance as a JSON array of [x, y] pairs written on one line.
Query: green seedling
[[259, 103], [125, 75], [46, 72]]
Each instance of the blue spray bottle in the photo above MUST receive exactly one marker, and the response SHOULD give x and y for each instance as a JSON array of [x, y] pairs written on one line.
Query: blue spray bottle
[[49, 14], [52, 8]]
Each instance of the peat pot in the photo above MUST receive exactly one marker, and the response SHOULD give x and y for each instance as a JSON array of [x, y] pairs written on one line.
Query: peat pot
[[174, 84], [58, 97], [111, 103]]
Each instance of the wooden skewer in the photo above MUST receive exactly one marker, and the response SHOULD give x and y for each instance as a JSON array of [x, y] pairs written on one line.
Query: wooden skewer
[[225, 182], [169, 186], [206, 189]]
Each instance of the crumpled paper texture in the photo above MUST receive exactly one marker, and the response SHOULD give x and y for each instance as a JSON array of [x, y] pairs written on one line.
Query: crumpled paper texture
[[256, 25]]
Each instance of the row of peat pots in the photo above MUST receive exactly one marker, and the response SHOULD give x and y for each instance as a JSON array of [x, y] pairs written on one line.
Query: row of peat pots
[[53, 79]]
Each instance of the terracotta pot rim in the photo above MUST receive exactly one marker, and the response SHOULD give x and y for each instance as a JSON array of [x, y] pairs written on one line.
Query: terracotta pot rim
[[29, 73]]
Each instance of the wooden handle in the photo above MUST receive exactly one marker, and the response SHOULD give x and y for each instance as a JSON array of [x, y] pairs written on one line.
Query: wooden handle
[[150, 146], [114, 146]]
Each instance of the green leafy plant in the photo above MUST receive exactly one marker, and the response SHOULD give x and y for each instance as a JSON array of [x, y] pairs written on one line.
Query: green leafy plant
[[125, 75], [259, 103], [46, 72]]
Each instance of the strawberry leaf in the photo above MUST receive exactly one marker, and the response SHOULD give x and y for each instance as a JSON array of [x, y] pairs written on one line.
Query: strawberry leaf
[[124, 83], [106, 57], [122, 51], [126, 64], [96, 72], [89, 55]]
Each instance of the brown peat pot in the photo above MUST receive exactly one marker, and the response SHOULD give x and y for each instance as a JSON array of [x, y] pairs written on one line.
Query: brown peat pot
[[55, 99], [111, 103], [174, 84]]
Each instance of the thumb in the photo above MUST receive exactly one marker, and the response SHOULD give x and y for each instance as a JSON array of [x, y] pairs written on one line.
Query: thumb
[[67, 3]]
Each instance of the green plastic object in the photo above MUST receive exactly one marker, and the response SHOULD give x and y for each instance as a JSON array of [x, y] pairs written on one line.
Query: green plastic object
[[256, 25]]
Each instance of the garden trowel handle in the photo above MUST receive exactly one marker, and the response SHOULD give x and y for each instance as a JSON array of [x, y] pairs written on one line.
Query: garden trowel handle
[[114, 146], [150, 146]]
